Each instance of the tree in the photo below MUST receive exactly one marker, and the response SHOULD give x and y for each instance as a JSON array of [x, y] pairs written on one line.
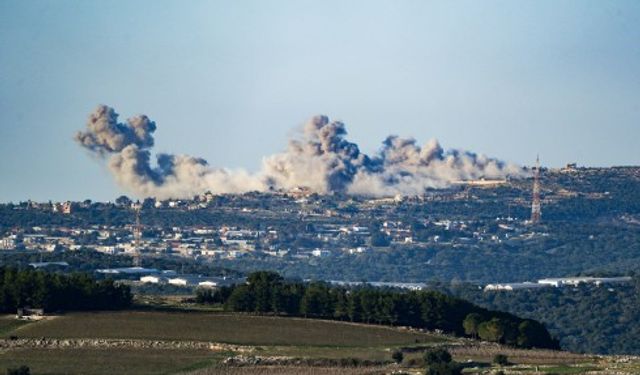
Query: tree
[[492, 330], [240, 299], [341, 303], [387, 308], [123, 201], [354, 309], [204, 295], [511, 333], [368, 304], [397, 356], [51, 291], [379, 239], [148, 203], [532, 334], [316, 301], [471, 323], [268, 292], [438, 362], [437, 356], [500, 359], [444, 369], [262, 286]]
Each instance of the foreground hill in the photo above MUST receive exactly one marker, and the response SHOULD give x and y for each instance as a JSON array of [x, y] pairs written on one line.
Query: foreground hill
[[147, 342]]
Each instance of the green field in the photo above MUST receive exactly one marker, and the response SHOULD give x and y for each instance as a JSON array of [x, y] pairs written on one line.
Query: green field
[[224, 328], [8, 323], [290, 370], [112, 361], [257, 336], [267, 336]]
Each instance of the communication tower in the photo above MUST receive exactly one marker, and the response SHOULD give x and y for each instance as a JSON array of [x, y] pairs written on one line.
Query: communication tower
[[536, 212], [137, 235]]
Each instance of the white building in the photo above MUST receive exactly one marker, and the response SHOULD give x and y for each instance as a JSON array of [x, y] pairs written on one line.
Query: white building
[[208, 284], [514, 286], [575, 281], [321, 253], [198, 280], [358, 250], [153, 279], [8, 243], [111, 250], [184, 280], [128, 271]]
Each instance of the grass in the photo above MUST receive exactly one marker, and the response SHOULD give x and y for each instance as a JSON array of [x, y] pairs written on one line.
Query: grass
[[9, 323], [558, 369], [330, 352], [226, 328], [269, 336], [113, 361], [518, 356], [282, 370]]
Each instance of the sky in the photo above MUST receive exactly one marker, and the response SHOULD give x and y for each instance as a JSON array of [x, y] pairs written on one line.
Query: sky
[[231, 81]]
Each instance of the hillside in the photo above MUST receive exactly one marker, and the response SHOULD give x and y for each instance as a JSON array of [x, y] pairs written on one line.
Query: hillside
[[587, 319], [147, 342], [590, 223]]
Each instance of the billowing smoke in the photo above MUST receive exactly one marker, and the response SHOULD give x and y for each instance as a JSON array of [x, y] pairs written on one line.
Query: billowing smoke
[[126, 146], [104, 134], [321, 160]]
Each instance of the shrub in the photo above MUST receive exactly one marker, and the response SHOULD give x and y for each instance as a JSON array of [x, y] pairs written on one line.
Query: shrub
[[439, 362], [397, 356], [22, 370], [450, 368], [414, 362], [500, 359], [437, 356]]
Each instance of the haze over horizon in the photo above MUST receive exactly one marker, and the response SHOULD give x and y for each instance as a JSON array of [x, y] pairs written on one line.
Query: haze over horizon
[[228, 81]]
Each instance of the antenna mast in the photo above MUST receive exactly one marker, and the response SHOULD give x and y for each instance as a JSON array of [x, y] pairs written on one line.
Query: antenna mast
[[536, 212], [137, 235]]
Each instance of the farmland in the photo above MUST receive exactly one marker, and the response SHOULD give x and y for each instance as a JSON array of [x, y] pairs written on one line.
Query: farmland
[[8, 323], [203, 343], [225, 328], [74, 351], [112, 361]]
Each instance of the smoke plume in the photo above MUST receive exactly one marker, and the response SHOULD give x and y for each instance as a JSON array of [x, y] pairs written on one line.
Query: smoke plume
[[321, 159]]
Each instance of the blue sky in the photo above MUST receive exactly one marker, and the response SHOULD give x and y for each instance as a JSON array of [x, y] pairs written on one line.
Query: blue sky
[[229, 81]]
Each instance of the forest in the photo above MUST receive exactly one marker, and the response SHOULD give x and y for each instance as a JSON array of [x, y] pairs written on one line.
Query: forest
[[55, 292], [269, 293], [587, 319]]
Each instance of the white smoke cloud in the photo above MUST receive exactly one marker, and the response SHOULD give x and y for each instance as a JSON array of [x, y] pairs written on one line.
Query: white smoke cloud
[[321, 160]]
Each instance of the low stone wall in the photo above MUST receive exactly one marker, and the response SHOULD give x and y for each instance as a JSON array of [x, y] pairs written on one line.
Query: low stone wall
[[51, 343], [250, 360]]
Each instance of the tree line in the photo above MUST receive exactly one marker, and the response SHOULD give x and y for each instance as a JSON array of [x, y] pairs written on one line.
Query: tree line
[[54, 292], [269, 293], [587, 319]]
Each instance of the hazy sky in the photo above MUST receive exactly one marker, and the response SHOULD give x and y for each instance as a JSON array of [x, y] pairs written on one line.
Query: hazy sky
[[230, 81]]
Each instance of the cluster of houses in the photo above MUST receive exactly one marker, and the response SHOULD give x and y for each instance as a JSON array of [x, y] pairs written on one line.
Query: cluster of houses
[[334, 227], [558, 282], [224, 242]]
